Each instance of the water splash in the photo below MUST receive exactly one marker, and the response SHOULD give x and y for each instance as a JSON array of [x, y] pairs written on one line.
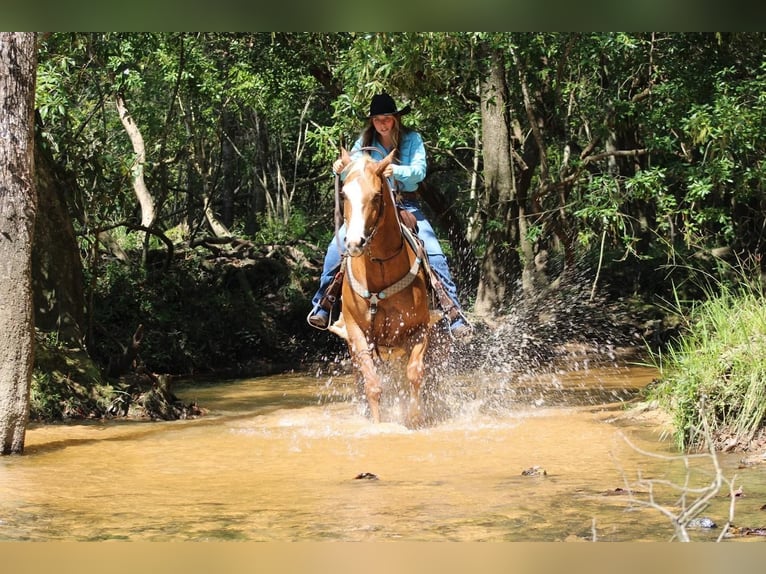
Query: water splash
[[529, 357]]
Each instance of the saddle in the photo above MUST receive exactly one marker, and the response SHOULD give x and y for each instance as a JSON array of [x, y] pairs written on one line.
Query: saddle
[[409, 225]]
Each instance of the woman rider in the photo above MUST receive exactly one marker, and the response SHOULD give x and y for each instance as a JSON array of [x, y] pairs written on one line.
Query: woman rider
[[385, 132]]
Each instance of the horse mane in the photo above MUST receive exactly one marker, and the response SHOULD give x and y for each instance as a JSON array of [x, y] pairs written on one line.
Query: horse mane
[[360, 163], [362, 160]]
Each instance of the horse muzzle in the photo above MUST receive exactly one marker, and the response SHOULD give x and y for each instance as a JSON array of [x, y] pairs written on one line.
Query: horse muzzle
[[355, 247]]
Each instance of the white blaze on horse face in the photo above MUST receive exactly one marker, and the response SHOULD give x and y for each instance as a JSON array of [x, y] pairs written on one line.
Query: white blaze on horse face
[[355, 223]]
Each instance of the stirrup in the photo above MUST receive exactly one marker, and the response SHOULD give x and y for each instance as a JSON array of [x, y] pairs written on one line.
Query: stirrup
[[314, 311], [463, 332]]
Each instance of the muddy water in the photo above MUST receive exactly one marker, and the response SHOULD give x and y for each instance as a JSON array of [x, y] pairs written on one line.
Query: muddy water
[[277, 459]]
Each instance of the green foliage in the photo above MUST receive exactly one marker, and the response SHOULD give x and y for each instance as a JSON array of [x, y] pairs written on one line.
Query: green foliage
[[286, 101], [717, 369], [47, 398], [66, 383], [250, 122], [272, 231], [727, 135], [198, 317]]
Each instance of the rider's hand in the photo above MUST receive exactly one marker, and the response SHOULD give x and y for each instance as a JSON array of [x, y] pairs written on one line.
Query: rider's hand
[[337, 166], [389, 171]]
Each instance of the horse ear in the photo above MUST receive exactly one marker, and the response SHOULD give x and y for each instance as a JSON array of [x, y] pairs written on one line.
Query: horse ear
[[383, 164]]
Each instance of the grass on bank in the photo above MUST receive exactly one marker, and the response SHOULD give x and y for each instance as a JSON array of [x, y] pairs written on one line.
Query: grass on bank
[[717, 369]]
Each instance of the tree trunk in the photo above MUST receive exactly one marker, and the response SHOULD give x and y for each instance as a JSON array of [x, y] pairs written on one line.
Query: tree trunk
[[59, 299], [228, 166], [534, 267], [139, 185], [18, 206], [500, 264], [218, 228]]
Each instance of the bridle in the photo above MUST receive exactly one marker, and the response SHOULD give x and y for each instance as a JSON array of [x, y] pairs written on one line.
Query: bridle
[[339, 216], [356, 285]]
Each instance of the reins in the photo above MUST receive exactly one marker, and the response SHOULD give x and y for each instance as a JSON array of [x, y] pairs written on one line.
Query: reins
[[408, 235], [338, 216], [401, 284]]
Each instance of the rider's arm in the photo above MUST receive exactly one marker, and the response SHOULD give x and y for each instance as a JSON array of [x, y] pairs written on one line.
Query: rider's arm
[[411, 169]]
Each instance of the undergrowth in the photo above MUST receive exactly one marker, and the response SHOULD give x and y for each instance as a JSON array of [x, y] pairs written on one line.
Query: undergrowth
[[719, 359]]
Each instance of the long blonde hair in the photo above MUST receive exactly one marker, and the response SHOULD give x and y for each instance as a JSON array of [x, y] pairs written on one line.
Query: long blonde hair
[[399, 129]]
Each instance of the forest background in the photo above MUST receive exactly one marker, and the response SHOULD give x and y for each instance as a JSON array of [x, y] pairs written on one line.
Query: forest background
[[186, 198]]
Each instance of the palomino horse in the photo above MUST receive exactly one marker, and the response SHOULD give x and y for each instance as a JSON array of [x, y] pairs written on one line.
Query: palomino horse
[[385, 291]]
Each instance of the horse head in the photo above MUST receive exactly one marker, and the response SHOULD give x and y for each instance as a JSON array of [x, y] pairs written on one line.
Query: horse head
[[364, 192]]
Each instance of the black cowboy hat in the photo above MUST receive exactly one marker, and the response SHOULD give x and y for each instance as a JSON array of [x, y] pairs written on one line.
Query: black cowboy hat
[[384, 105]]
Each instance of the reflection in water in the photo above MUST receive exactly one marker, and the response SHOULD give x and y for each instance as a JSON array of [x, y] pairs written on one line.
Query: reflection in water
[[276, 460]]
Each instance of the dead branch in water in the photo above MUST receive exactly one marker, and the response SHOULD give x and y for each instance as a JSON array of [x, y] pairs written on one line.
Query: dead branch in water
[[692, 500]]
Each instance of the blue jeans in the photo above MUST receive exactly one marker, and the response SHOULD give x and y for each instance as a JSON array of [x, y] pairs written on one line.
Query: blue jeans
[[426, 233]]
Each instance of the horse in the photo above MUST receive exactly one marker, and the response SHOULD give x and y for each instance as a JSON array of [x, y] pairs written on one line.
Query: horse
[[385, 291]]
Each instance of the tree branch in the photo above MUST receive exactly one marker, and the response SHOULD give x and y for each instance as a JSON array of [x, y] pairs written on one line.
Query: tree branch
[[139, 185]]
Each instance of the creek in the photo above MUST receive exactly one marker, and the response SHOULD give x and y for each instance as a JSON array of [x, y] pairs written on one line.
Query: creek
[[294, 458]]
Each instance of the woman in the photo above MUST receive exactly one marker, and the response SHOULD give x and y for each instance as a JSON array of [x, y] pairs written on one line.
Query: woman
[[385, 132]]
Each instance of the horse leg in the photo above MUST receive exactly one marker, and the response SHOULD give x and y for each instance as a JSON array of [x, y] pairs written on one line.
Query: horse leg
[[372, 389], [361, 357], [415, 374], [372, 386]]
